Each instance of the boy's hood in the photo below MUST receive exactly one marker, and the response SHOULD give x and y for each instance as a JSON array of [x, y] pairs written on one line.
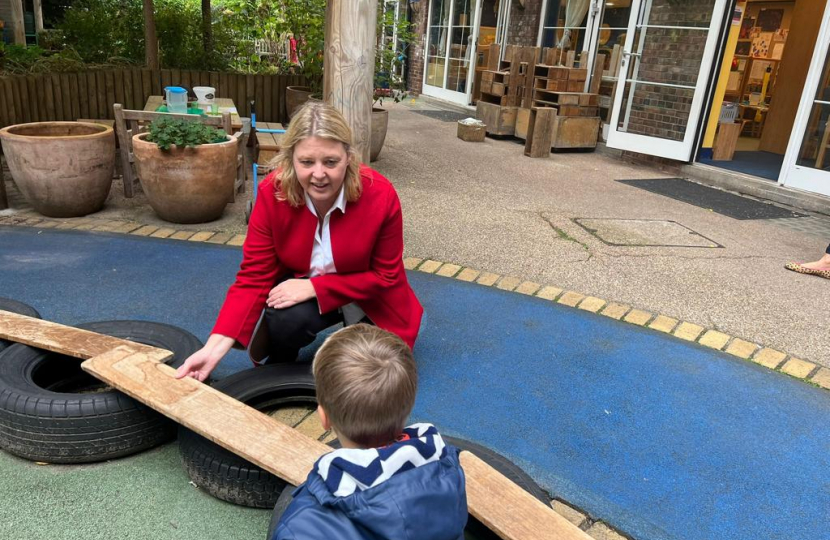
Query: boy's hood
[[412, 488]]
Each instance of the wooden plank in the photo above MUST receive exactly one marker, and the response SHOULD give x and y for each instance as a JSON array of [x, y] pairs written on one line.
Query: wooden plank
[[59, 338], [101, 94], [110, 85], [6, 108], [166, 78], [73, 96], [508, 510], [92, 95], [49, 97], [267, 98], [137, 97], [83, 96], [259, 95], [241, 90], [570, 58], [726, 141], [22, 109], [32, 92], [126, 85], [596, 78], [66, 95], [522, 121], [241, 429], [540, 134], [147, 77], [156, 86]]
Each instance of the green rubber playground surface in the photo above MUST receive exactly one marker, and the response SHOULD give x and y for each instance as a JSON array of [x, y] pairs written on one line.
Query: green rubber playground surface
[[99, 502]]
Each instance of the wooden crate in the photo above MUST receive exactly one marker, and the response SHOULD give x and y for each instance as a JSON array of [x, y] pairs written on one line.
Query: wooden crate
[[575, 132], [578, 74], [500, 120], [576, 86]]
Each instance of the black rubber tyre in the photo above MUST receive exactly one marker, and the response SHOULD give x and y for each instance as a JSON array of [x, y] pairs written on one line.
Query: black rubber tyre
[[7, 304], [475, 530], [222, 473], [52, 411]]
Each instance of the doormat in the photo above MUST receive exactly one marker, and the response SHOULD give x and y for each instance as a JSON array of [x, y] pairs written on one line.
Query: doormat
[[716, 200], [644, 232], [445, 116]]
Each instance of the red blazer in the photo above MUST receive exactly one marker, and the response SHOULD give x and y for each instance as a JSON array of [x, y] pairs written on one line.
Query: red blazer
[[367, 246]]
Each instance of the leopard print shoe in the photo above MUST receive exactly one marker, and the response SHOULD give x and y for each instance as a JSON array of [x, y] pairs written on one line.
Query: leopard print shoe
[[795, 267]]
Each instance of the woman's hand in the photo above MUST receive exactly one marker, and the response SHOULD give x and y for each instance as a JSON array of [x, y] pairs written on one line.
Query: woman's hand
[[290, 292], [202, 362]]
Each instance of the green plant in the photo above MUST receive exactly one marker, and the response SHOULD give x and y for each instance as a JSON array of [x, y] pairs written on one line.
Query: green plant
[[394, 36], [166, 132]]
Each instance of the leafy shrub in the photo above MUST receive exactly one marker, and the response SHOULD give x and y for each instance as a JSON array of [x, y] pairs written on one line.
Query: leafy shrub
[[166, 132]]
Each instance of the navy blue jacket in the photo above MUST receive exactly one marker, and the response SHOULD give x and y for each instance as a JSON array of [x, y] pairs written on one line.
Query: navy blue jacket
[[427, 502]]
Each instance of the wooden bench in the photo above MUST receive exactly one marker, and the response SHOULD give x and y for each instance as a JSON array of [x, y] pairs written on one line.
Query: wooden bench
[[139, 371], [129, 123], [268, 145]]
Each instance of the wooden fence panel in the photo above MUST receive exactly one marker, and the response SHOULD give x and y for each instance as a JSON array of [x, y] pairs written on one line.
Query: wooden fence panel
[[21, 98], [91, 94], [66, 90], [74, 86]]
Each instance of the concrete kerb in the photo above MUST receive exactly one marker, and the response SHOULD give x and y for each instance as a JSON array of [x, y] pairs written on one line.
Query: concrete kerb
[[768, 357]]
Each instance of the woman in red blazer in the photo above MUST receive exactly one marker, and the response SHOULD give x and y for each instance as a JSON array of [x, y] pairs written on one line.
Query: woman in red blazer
[[324, 245]]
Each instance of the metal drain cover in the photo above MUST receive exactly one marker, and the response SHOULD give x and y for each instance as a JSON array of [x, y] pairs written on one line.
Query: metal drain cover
[[644, 232]]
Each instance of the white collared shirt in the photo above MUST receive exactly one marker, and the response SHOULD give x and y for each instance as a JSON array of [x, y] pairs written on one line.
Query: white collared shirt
[[322, 260]]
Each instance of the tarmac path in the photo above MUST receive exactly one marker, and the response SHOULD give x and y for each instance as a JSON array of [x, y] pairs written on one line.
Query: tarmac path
[[661, 438]]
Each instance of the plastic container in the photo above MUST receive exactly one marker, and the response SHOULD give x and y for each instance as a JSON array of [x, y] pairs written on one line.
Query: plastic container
[[176, 99], [205, 96]]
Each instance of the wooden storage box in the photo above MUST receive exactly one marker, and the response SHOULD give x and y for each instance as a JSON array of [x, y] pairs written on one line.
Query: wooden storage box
[[575, 132], [500, 120], [522, 120]]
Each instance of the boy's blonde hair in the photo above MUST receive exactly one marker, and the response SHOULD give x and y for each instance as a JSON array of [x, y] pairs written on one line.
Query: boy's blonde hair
[[366, 382], [315, 119]]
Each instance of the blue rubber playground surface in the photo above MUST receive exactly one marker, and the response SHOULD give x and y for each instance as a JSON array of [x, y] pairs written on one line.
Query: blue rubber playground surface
[[660, 438]]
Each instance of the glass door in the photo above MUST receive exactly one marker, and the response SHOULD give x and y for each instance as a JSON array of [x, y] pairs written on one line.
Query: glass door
[[665, 67], [807, 161], [450, 39]]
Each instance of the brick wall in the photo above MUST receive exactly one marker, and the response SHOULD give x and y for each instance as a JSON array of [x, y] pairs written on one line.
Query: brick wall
[[415, 75], [524, 22], [670, 56]]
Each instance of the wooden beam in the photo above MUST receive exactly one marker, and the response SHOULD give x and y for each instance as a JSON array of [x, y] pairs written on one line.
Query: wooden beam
[[140, 372], [17, 22], [61, 339], [349, 66]]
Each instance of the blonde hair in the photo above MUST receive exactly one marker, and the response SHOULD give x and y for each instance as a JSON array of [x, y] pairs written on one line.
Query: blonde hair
[[366, 382], [315, 119]]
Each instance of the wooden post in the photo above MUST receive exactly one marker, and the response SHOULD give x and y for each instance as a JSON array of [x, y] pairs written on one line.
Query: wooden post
[[17, 22], [38, 6], [349, 66]]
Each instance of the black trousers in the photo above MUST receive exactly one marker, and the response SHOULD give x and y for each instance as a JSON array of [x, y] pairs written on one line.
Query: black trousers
[[291, 329]]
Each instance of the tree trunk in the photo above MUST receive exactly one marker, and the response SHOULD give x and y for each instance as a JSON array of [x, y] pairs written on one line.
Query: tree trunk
[[151, 45], [17, 22], [207, 31], [349, 66]]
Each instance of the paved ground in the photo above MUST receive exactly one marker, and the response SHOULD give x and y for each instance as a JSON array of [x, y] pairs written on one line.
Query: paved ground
[[661, 438], [488, 207]]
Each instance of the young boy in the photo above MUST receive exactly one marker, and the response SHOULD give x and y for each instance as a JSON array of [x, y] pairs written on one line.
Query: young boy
[[387, 481]]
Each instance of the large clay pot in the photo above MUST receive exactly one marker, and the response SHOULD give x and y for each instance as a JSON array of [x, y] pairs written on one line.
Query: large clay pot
[[186, 185], [380, 122], [295, 97], [63, 169]]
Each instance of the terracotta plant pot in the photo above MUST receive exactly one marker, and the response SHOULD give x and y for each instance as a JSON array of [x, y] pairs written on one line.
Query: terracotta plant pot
[[380, 123], [295, 97], [186, 185], [63, 169]]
